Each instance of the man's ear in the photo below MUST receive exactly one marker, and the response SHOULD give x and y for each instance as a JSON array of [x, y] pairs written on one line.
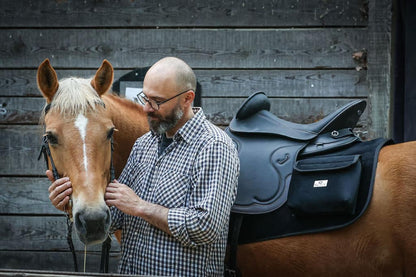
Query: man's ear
[[189, 97]]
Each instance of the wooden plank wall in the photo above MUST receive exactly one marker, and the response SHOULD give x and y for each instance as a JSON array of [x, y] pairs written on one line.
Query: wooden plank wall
[[300, 52]]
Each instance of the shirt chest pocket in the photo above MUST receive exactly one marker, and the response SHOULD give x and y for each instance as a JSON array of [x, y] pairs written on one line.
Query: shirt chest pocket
[[172, 189]]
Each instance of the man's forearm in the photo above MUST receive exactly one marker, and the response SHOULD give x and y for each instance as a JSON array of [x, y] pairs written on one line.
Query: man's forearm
[[154, 214]]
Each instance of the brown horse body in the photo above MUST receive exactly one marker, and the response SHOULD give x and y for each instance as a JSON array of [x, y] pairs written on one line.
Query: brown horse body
[[381, 243]]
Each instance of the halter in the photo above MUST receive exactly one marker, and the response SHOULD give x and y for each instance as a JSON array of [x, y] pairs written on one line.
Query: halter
[[45, 150]]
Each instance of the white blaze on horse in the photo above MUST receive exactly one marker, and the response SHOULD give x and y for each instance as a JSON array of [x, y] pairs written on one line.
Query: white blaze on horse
[[79, 126], [80, 121]]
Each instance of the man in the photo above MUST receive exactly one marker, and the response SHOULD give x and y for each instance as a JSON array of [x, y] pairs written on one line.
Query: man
[[174, 196]]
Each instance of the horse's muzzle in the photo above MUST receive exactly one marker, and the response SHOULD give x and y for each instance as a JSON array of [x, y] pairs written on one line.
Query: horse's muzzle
[[92, 225]]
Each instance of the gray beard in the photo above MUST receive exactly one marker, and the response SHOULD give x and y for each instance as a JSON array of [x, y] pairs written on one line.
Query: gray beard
[[162, 126]]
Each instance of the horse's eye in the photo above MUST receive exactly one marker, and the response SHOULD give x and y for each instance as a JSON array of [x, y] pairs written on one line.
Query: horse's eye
[[110, 133], [52, 139]]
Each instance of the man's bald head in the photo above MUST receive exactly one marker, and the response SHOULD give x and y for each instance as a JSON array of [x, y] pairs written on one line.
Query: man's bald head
[[170, 80], [173, 69]]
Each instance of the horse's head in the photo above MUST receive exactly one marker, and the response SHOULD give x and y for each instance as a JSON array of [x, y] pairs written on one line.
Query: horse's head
[[79, 131]]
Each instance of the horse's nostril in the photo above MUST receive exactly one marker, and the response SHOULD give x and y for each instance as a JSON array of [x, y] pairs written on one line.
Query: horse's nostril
[[92, 225], [108, 218], [92, 222], [80, 223]]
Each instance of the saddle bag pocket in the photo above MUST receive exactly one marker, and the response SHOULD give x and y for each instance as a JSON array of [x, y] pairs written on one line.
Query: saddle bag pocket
[[325, 185]]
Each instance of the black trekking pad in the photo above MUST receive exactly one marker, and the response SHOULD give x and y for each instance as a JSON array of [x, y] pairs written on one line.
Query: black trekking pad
[[283, 222]]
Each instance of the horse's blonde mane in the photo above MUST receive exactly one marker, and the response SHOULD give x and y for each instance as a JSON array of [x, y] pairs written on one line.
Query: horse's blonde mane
[[75, 96]]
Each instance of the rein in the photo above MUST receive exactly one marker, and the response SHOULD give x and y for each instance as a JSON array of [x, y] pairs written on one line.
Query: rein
[[45, 150]]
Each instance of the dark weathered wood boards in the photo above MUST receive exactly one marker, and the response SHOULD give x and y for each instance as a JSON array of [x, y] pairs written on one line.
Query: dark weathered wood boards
[[183, 13], [53, 260], [201, 48], [223, 82], [300, 53]]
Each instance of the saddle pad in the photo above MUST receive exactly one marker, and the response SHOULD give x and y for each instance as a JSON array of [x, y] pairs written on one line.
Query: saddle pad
[[283, 222]]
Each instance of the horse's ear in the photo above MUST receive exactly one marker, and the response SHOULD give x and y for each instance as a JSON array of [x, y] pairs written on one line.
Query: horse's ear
[[47, 80], [103, 78]]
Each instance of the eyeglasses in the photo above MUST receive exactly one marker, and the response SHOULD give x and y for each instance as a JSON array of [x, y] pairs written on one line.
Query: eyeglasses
[[143, 99]]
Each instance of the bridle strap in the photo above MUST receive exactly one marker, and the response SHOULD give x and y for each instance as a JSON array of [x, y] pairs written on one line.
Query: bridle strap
[[106, 245], [69, 224], [47, 154], [112, 171]]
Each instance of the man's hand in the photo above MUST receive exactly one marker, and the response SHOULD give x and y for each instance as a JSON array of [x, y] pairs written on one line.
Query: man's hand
[[122, 197], [59, 191], [127, 201]]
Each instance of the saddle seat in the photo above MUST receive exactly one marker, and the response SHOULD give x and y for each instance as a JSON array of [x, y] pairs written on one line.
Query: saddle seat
[[269, 146], [254, 117]]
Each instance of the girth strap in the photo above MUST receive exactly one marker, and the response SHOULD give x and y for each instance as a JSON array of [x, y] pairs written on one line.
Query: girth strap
[[231, 269]]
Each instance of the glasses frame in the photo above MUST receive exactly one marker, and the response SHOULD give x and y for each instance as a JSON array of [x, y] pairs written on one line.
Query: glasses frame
[[143, 99]]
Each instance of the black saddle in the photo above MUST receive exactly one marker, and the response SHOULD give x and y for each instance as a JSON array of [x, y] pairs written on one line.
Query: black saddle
[[269, 146], [276, 155]]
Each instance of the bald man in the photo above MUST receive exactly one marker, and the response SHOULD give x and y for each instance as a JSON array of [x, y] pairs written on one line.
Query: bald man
[[174, 196]]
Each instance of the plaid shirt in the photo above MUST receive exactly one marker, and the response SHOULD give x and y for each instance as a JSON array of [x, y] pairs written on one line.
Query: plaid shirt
[[196, 178]]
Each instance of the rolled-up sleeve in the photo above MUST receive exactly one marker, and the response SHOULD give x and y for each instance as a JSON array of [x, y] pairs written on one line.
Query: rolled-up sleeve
[[213, 191]]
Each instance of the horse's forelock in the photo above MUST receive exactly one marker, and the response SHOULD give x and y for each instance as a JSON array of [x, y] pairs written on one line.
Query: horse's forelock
[[75, 96]]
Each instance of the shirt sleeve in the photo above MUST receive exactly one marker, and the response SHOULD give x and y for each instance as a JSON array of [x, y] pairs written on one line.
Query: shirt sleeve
[[214, 188]]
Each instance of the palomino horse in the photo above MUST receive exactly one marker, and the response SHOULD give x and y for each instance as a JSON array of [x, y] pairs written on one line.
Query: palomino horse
[[80, 121], [381, 243]]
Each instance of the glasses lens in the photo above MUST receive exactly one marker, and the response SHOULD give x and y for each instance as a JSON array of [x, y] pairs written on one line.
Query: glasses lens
[[143, 100]]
